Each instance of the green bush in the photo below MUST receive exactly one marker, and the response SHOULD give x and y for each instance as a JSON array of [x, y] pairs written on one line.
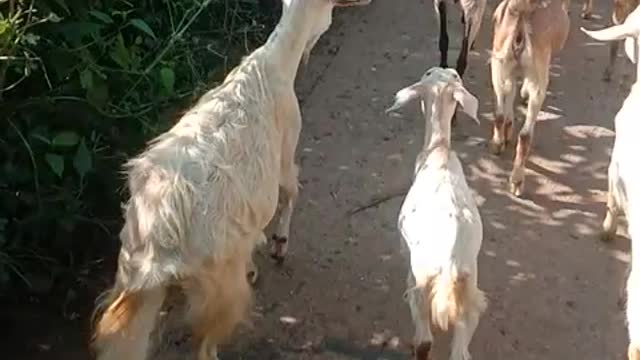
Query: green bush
[[83, 85]]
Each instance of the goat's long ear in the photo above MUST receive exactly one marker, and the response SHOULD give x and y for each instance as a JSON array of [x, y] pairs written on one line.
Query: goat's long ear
[[467, 101], [616, 32], [405, 96]]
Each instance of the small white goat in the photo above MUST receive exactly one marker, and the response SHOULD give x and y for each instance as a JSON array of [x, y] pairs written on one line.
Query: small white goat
[[202, 193], [440, 222], [527, 33], [624, 177], [472, 13]]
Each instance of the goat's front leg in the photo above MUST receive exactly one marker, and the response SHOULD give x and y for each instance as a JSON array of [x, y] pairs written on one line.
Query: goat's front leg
[[610, 223], [613, 56], [461, 64], [587, 9], [537, 92], [420, 314], [252, 268], [288, 177], [504, 90], [443, 41]]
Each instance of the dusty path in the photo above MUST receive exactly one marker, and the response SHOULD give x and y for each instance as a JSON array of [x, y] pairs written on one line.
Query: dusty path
[[553, 287]]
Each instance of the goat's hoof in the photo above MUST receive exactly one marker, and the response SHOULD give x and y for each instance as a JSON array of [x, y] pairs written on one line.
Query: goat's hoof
[[252, 276], [279, 248], [496, 148], [607, 235], [517, 188], [422, 351], [586, 15]]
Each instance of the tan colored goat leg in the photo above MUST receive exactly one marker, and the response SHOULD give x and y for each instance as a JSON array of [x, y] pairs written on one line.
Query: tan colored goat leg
[[292, 122]]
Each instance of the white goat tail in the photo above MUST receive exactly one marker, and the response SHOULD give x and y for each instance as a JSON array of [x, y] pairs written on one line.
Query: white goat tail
[[452, 296]]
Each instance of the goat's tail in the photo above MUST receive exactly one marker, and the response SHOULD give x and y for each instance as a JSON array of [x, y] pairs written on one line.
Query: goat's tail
[[453, 295], [123, 322]]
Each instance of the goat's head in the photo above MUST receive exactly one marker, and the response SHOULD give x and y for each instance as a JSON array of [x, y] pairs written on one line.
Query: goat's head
[[321, 13], [439, 84], [629, 31]]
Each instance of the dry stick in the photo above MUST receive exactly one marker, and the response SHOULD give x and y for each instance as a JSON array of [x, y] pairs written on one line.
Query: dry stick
[[377, 201]]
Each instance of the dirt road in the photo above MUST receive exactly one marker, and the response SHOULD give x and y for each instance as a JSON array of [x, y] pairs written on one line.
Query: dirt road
[[553, 287]]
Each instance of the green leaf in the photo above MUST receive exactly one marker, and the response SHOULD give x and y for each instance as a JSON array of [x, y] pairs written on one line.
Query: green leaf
[[56, 163], [66, 138], [119, 53], [101, 16], [63, 5], [86, 79], [168, 79], [141, 25], [82, 160], [98, 94]]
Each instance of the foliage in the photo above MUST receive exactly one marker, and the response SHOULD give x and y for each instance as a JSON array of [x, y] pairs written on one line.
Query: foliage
[[83, 85]]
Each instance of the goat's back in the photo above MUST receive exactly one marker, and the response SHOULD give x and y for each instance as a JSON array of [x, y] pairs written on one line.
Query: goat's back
[[208, 186], [550, 26], [544, 23], [439, 220]]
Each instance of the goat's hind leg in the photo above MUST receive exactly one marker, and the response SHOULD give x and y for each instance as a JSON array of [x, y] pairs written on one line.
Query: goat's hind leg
[[420, 314], [613, 45], [465, 327], [219, 297], [610, 223], [443, 41], [504, 89], [587, 9], [537, 93], [252, 268], [288, 180]]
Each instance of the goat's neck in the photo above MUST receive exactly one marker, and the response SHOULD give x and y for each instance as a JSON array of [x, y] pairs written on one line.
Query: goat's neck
[[287, 42], [439, 117]]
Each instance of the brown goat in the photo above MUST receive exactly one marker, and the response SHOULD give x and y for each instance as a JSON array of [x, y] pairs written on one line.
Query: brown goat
[[526, 34]]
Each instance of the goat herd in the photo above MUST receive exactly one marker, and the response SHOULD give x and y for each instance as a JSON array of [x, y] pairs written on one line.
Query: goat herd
[[202, 193]]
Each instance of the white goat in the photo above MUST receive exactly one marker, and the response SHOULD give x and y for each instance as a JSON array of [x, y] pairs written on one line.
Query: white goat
[[527, 33], [202, 193], [440, 222], [624, 178]]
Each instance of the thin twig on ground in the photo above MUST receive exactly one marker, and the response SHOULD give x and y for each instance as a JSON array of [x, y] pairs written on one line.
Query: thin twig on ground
[[379, 200]]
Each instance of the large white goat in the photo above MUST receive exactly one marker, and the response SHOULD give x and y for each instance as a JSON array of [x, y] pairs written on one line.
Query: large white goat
[[202, 193], [624, 178], [526, 34], [440, 222]]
